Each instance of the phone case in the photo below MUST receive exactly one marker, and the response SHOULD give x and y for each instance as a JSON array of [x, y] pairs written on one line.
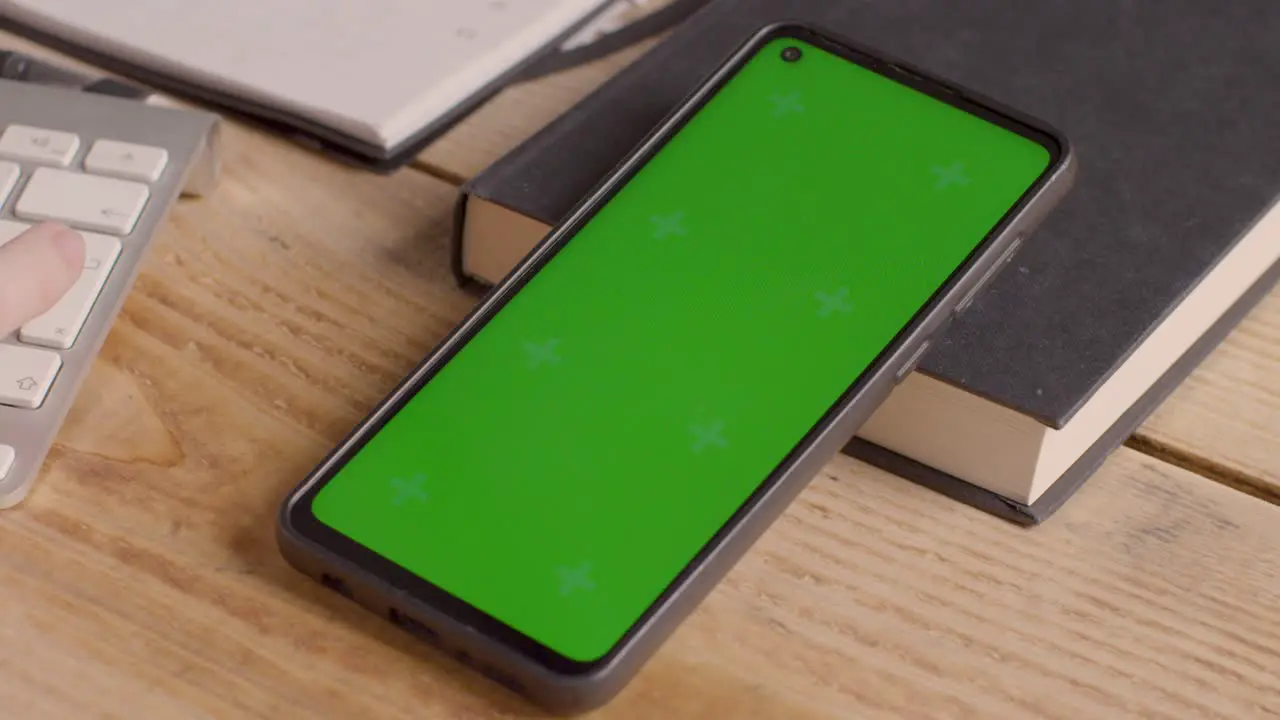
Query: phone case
[[570, 694]]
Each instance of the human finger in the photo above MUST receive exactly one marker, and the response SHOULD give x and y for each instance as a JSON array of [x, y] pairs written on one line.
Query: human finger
[[36, 269]]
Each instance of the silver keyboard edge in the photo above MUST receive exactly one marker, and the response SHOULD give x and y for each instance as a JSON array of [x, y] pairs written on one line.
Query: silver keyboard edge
[[193, 141]]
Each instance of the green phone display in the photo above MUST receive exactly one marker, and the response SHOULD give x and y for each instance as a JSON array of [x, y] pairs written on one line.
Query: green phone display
[[711, 324]]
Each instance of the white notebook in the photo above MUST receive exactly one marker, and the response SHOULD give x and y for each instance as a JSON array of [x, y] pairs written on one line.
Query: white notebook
[[375, 72]]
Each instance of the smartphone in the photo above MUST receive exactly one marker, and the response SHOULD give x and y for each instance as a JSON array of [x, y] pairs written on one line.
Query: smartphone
[[582, 459]]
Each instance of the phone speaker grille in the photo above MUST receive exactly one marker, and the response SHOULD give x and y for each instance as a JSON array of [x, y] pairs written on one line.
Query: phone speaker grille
[[423, 631]]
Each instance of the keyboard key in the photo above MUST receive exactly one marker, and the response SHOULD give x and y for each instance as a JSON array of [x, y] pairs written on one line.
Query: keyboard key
[[90, 202], [6, 460], [10, 230], [9, 174], [38, 145], [126, 160], [26, 375], [59, 326]]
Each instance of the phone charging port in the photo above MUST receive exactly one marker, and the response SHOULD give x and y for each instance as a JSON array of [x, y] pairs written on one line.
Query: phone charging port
[[337, 585], [413, 626]]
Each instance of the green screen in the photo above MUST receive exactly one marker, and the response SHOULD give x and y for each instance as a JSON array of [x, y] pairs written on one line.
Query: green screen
[[578, 452]]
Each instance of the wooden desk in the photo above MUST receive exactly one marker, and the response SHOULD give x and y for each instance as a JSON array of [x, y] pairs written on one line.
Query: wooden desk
[[141, 578]]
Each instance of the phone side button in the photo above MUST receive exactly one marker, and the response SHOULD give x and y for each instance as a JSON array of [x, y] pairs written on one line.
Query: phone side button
[[913, 362], [943, 327], [994, 270]]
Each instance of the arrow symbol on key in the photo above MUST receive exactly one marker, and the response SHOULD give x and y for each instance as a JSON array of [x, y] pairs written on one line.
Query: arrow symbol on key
[[108, 212], [27, 384]]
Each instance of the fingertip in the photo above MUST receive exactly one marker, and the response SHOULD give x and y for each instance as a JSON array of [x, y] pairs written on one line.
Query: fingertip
[[69, 245], [36, 269]]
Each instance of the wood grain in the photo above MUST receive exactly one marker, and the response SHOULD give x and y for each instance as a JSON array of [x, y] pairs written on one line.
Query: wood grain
[[518, 112], [1224, 421], [141, 579], [146, 584]]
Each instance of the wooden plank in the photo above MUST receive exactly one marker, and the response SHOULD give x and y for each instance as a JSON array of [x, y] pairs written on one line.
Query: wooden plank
[[143, 574], [142, 579], [1224, 421], [266, 320], [522, 109], [517, 113]]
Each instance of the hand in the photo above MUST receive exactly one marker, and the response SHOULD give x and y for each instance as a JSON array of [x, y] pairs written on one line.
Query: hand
[[36, 269]]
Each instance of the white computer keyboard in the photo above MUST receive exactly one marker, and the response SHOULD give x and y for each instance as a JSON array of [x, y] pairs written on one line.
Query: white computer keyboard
[[110, 168]]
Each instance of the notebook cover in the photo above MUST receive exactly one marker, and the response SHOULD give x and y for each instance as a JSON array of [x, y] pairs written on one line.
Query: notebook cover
[[338, 145], [1171, 107], [1075, 476]]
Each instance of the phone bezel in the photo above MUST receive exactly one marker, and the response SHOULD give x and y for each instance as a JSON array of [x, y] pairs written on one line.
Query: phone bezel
[[297, 515]]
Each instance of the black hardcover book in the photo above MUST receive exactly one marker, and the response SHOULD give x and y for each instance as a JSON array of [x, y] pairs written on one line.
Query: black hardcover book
[[1165, 242]]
